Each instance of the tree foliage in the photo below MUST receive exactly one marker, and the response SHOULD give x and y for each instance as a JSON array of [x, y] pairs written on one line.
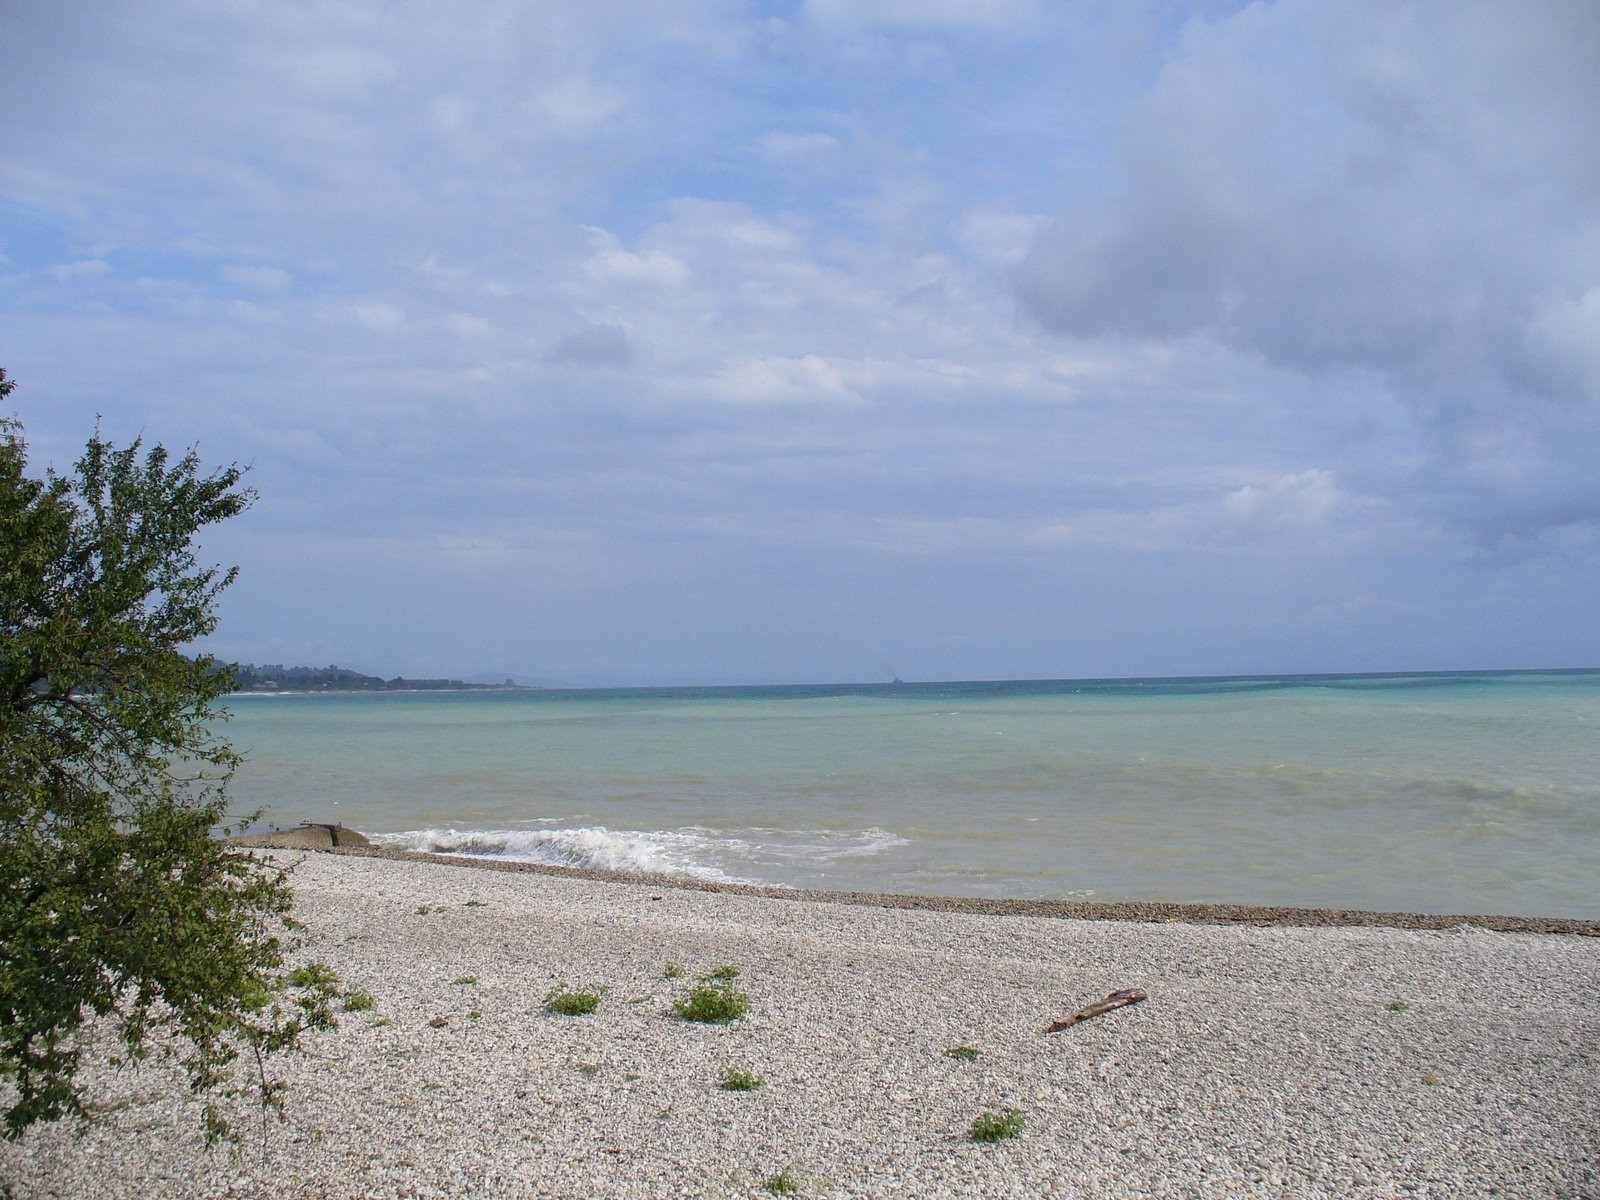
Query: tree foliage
[[121, 914]]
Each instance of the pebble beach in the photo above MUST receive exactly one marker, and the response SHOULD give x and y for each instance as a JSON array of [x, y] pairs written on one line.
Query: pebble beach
[[1272, 1058]]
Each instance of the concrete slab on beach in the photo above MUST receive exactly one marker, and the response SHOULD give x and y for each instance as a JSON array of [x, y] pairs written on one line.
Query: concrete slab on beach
[[1267, 1060], [308, 835]]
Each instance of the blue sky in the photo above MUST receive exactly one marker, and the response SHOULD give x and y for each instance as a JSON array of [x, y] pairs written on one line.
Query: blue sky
[[698, 341]]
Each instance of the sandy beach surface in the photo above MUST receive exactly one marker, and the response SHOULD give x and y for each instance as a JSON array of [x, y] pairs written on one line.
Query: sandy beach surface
[[1357, 1060]]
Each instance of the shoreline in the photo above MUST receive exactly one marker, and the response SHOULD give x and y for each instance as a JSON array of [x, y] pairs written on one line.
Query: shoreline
[[1267, 1059], [1169, 912]]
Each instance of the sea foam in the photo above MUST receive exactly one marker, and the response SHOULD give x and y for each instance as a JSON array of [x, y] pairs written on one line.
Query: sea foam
[[697, 852], [593, 848]]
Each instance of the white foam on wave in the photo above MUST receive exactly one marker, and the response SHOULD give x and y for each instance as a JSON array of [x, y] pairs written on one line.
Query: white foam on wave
[[698, 852], [592, 848], [825, 845]]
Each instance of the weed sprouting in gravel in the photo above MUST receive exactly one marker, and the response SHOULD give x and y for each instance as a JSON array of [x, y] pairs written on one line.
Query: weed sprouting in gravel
[[1398, 1006], [726, 973], [736, 1079], [713, 1003], [576, 1003], [358, 999], [963, 1053], [313, 975], [784, 1183], [673, 971], [466, 980], [997, 1126]]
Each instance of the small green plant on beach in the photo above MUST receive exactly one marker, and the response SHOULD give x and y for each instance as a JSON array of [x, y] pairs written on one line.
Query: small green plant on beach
[[785, 1183], [1398, 1006], [726, 973], [997, 1126], [424, 909], [466, 980], [713, 1003], [673, 971], [474, 1015], [473, 904], [313, 975], [578, 1003], [358, 999], [736, 1079], [963, 1053]]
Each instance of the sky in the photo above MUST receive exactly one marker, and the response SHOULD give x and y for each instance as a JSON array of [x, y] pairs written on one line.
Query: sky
[[694, 341]]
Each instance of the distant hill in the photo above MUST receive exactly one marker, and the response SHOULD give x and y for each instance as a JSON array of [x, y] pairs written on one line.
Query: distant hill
[[501, 679], [275, 677]]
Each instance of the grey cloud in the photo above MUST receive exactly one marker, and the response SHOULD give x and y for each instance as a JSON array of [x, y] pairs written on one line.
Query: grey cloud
[[1405, 190], [597, 346]]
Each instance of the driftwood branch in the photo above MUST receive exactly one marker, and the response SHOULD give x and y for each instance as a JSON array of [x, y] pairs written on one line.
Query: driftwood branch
[[1114, 1000]]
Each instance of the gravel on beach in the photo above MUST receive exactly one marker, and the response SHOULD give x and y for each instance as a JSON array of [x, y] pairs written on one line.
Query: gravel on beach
[[1270, 1059]]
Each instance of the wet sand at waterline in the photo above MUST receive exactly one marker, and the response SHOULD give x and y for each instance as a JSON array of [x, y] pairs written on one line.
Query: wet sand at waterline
[[1353, 1057]]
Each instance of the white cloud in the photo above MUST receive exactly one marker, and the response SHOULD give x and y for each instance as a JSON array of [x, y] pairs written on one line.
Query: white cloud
[[604, 345], [611, 262], [338, 74], [378, 317], [1563, 345], [959, 14], [998, 238], [467, 325], [1301, 500], [246, 310], [1206, 511], [260, 279], [777, 380], [88, 268], [1363, 605], [576, 106], [813, 151]]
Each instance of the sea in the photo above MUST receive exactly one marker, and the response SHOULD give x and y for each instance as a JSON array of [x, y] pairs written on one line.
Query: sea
[[1433, 793]]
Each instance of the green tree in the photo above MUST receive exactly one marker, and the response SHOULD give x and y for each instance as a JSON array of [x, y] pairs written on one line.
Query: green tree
[[118, 905]]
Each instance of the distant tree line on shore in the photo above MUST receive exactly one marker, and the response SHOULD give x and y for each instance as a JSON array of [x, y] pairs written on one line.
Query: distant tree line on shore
[[275, 677]]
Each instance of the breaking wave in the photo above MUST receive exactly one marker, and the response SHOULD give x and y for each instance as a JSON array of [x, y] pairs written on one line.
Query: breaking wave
[[697, 852]]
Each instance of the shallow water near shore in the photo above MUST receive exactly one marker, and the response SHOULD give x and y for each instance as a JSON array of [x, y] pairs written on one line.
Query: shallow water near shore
[[1464, 793]]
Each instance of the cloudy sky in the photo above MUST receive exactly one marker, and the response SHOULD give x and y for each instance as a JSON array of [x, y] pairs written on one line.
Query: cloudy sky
[[695, 340]]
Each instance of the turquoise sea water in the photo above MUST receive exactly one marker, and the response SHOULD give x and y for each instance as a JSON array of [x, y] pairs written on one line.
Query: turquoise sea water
[[1431, 793]]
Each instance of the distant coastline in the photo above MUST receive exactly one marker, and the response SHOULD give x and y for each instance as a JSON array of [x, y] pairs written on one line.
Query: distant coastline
[[274, 679]]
